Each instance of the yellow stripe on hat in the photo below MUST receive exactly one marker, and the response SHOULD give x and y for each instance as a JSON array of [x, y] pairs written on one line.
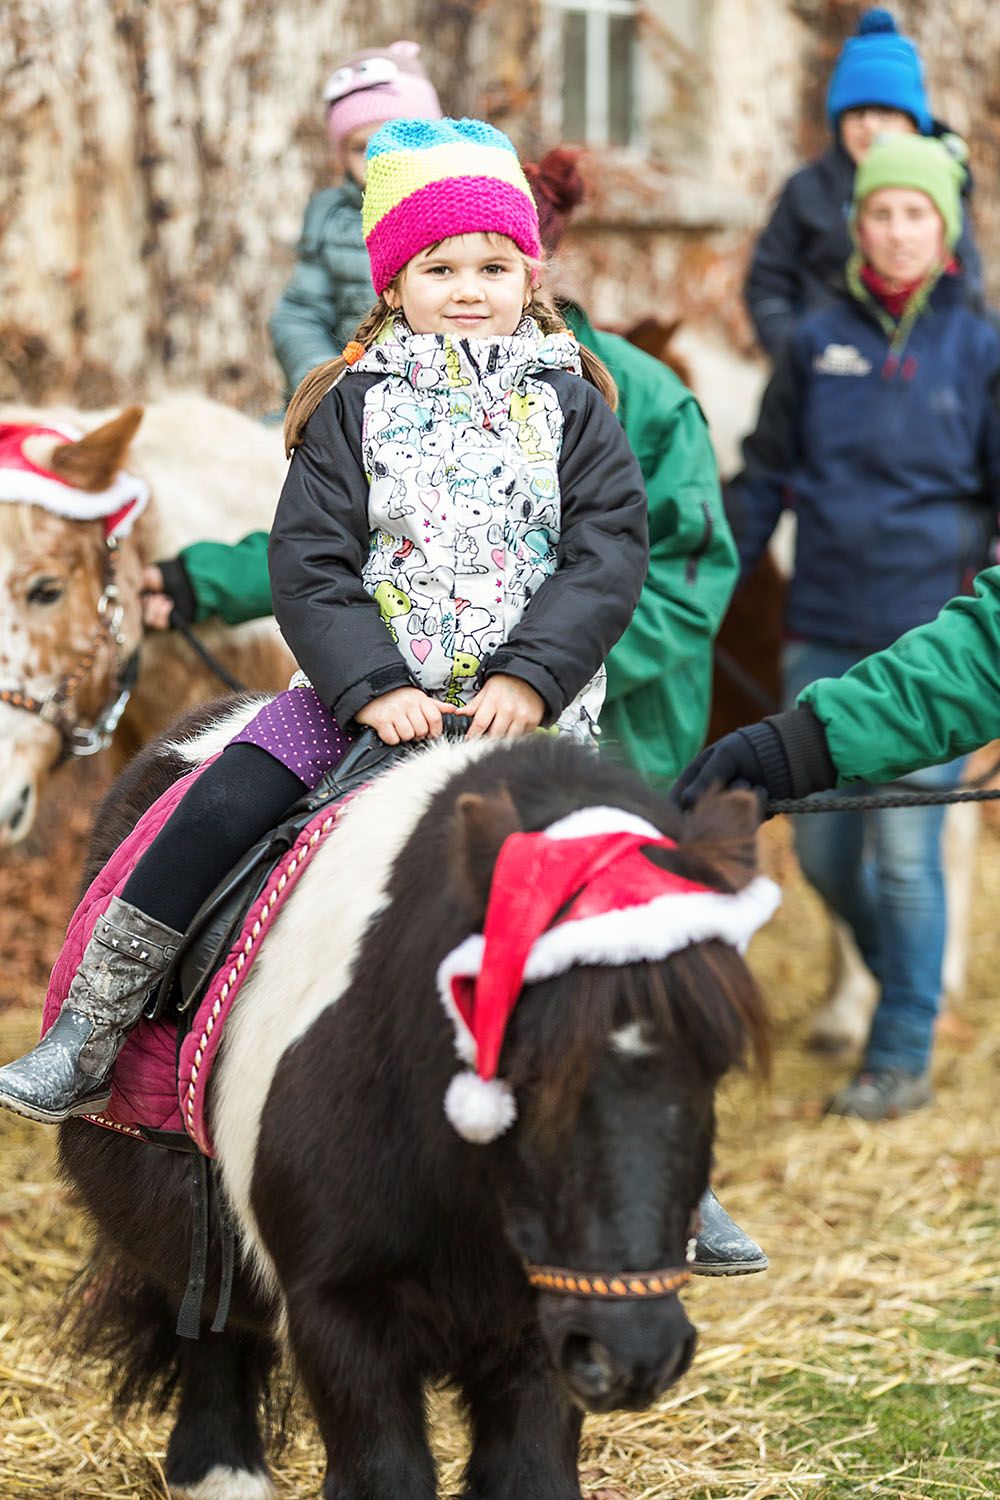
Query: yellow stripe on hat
[[394, 175]]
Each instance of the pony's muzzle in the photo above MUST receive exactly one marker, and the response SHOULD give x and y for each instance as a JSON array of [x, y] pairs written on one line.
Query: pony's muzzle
[[617, 1356]]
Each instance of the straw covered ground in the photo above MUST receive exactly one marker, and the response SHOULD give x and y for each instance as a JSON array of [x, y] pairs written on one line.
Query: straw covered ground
[[864, 1363]]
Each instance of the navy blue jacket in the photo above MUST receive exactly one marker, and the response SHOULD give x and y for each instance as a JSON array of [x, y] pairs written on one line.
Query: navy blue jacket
[[802, 252], [891, 465]]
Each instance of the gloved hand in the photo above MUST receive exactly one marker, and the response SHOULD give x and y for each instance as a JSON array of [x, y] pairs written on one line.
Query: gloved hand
[[785, 755]]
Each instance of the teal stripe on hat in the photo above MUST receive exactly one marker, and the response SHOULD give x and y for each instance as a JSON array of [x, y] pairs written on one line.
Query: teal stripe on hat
[[421, 135]]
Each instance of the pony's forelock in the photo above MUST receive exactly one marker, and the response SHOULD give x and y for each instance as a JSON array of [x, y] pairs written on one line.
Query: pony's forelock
[[703, 998]]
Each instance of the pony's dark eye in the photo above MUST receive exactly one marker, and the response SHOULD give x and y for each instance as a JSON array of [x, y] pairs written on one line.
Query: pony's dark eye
[[46, 591]]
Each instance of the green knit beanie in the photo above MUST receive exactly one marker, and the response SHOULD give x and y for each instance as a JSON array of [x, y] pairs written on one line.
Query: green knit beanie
[[922, 162]]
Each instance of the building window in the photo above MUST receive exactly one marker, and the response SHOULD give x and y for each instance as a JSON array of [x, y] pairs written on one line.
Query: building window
[[596, 41]]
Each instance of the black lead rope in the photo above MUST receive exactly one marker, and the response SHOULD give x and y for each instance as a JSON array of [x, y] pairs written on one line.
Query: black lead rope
[[211, 662], [797, 807]]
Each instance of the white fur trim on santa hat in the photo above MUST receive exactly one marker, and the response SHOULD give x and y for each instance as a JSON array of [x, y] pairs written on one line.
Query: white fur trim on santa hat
[[587, 822], [480, 1109], [637, 934], [466, 959], [23, 485]]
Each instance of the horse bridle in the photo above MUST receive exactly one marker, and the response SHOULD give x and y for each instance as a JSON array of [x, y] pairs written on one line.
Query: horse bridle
[[608, 1286], [80, 740]]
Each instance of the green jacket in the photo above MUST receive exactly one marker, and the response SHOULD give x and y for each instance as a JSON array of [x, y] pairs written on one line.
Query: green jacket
[[932, 695], [660, 672], [220, 578], [331, 287]]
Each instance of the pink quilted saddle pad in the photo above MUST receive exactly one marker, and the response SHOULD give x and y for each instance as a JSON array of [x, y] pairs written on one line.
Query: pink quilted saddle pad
[[154, 1088]]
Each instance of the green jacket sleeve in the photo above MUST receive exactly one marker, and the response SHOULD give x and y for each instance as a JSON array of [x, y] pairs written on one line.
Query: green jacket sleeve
[[692, 559], [230, 580], [932, 695]]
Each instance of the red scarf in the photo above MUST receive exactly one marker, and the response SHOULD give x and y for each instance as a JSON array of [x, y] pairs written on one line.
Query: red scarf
[[894, 299]]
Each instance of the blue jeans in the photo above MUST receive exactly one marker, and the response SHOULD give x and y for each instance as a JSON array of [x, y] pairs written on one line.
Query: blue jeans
[[881, 873]]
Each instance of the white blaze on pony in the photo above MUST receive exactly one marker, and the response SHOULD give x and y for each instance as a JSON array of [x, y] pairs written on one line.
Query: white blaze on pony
[[210, 473]]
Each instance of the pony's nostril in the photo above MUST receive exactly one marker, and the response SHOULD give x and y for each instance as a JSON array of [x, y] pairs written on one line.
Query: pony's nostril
[[677, 1363], [589, 1367]]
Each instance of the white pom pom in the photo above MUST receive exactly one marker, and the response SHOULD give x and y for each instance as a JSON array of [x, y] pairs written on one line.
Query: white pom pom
[[480, 1109]]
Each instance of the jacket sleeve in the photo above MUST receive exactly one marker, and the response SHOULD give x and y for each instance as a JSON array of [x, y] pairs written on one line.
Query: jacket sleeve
[[228, 579], [771, 291], [692, 558], [302, 323], [932, 695], [970, 260], [757, 496], [319, 545], [579, 612]]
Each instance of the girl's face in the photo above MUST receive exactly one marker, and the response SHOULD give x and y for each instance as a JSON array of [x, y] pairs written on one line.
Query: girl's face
[[860, 127], [901, 234], [472, 285], [352, 152]]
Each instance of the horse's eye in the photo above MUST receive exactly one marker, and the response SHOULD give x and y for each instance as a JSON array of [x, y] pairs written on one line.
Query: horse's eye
[[46, 591]]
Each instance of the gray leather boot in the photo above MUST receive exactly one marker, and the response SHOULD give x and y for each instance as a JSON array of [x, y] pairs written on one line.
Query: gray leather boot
[[69, 1072], [722, 1249]]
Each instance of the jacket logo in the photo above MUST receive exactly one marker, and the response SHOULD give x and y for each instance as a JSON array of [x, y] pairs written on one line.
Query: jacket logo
[[841, 359]]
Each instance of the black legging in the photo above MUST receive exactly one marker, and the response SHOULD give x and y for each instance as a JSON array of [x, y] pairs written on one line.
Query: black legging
[[231, 805]]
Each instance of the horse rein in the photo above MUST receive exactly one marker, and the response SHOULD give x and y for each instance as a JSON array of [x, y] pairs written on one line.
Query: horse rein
[[80, 740], [619, 1286]]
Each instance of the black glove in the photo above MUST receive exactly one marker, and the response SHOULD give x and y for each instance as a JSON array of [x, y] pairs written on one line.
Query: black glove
[[785, 755], [177, 584]]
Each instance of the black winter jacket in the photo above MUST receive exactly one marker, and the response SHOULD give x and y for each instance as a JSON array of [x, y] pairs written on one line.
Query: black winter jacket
[[320, 542]]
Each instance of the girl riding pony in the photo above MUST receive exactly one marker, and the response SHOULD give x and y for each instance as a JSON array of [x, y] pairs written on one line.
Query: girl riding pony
[[462, 532]]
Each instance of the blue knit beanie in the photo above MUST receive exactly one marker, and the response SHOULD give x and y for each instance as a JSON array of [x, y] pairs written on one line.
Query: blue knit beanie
[[878, 66]]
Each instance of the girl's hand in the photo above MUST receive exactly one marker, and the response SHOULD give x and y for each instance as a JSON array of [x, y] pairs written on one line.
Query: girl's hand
[[503, 706], [157, 607], [402, 715]]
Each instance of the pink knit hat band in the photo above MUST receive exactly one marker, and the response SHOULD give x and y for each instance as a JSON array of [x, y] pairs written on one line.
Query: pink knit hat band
[[457, 205]]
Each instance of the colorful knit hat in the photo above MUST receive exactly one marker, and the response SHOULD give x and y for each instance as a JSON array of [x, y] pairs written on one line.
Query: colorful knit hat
[[921, 162], [877, 66], [429, 180], [379, 84]]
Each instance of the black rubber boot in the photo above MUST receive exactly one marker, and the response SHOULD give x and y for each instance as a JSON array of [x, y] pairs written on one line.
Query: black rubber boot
[[722, 1249], [69, 1072]]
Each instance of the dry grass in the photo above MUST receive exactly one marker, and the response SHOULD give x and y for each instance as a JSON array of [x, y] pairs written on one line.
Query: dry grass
[[864, 1363]]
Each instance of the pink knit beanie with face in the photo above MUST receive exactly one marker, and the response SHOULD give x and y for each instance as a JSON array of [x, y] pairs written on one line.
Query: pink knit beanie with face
[[379, 84]]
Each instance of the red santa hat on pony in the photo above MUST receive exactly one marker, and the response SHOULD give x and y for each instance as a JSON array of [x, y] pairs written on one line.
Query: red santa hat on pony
[[582, 892], [24, 479]]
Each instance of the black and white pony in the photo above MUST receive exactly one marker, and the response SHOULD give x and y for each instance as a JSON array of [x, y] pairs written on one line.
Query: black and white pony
[[535, 1273]]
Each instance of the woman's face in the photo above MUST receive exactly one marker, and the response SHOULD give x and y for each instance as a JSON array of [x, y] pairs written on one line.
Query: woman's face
[[901, 234], [471, 286], [860, 127]]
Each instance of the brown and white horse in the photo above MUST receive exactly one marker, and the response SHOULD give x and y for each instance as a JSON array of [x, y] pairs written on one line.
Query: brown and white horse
[[70, 613]]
